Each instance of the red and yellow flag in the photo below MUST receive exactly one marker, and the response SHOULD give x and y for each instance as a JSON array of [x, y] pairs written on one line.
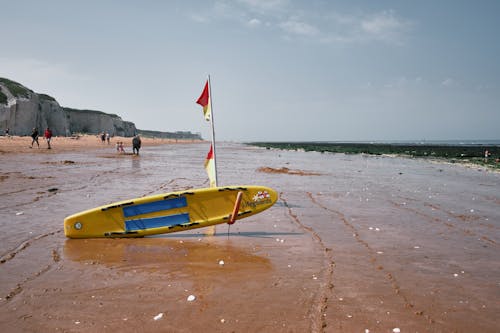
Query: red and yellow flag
[[210, 166], [204, 101]]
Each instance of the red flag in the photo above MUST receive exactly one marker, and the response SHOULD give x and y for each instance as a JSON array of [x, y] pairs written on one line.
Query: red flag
[[204, 101]]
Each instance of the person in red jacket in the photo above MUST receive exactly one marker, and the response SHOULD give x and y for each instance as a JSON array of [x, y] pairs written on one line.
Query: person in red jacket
[[48, 136]]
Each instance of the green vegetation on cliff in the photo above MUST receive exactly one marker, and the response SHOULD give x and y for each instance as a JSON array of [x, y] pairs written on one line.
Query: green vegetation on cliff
[[16, 89], [44, 97], [91, 112], [3, 98]]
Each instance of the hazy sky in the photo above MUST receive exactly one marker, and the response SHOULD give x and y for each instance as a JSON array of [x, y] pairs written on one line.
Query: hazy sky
[[280, 69]]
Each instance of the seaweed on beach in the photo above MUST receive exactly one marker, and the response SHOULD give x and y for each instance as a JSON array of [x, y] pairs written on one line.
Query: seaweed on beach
[[466, 153]]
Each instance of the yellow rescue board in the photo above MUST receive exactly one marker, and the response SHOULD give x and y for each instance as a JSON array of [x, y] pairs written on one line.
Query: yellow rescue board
[[169, 212]]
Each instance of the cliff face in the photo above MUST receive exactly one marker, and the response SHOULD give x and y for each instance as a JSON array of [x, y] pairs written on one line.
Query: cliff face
[[21, 109], [88, 121]]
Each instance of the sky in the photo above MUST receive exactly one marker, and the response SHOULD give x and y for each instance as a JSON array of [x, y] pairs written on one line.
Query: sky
[[280, 70]]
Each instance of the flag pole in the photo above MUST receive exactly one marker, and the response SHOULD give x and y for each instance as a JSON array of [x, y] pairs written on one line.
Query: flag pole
[[213, 128]]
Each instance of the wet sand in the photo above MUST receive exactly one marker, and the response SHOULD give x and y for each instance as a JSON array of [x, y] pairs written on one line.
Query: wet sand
[[355, 244]]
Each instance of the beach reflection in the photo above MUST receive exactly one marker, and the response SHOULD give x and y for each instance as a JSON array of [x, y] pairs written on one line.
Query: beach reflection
[[136, 163], [184, 257]]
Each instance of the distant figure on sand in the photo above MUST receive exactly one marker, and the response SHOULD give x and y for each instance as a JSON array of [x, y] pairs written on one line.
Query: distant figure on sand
[[7, 132], [48, 137], [107, 137], [34, 136], [486, 155], [119, 147], [136, 144]]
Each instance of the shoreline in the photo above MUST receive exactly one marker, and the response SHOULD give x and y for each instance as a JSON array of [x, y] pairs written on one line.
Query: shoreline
[[22, 144]]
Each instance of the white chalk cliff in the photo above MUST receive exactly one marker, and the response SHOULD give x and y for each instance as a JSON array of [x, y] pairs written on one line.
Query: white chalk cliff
[[21, 110]]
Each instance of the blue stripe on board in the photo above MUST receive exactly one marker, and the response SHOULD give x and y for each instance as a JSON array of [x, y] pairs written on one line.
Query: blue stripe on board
[[156, 222], [155, 206]]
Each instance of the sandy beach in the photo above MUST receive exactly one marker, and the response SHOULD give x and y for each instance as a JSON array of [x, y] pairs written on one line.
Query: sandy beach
[[355, 243]]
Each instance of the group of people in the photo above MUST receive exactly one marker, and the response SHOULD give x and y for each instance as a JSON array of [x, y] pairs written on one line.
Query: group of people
[[119, 147], [47, 135], [136, 145], [105, 137], [136, 141]]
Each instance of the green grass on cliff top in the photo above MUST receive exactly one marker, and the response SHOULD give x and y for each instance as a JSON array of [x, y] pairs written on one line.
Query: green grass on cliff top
[[44, 97], [16, 89]]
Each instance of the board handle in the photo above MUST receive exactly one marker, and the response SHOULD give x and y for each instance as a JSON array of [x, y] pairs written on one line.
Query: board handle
[[236, 208]]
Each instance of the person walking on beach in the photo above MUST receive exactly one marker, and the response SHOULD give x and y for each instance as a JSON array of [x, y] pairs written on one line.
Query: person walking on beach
[[48, 136], [136, 144], [34, 136], [7, 132]]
